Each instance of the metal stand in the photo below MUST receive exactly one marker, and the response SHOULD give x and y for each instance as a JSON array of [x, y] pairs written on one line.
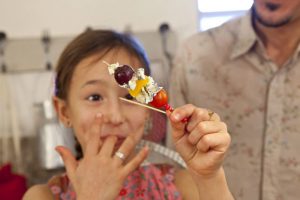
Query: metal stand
[[164, 28], [46, 40], [2, 45]]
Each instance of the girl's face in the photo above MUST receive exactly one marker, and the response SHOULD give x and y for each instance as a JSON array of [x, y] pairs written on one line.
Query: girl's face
[[93, 90]]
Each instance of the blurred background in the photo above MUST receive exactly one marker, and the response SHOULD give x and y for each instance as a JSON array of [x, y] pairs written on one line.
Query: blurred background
[[32, 35]]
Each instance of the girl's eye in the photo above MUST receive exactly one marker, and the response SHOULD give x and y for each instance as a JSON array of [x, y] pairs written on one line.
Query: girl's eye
[[128, 96], [95, 97]]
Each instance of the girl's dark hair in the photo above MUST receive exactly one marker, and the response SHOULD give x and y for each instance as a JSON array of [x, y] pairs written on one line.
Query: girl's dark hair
[[89, 43]]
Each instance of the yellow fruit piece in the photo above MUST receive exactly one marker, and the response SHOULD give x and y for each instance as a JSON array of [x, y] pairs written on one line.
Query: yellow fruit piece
[[139, 85]]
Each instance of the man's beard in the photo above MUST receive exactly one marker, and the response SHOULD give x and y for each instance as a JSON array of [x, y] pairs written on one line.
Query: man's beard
[[268, 23]]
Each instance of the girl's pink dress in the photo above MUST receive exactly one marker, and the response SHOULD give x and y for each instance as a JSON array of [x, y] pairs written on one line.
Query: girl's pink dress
[[147, 182]]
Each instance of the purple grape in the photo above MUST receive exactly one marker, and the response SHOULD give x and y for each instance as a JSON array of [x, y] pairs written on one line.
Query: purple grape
[[123, 74]]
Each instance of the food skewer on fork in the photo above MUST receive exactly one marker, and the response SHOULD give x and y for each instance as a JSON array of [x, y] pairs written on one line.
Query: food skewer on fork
[[144, 105], [141, 87]]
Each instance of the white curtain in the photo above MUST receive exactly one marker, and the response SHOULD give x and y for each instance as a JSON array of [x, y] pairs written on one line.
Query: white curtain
[[19, 93], [9, 127]]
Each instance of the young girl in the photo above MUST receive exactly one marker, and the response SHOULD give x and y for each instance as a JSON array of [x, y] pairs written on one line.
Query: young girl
[[108, 129]]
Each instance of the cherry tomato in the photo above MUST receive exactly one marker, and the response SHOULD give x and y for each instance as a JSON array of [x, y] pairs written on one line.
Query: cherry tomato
[[160, 99]]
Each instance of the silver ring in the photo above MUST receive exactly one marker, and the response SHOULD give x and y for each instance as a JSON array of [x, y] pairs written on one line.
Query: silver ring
[[120, 155]]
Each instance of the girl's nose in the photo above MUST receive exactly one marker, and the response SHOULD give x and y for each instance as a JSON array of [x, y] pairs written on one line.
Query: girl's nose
[[114, 112]]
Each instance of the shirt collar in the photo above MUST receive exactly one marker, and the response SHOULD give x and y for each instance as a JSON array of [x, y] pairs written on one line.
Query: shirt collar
[[245, 38]]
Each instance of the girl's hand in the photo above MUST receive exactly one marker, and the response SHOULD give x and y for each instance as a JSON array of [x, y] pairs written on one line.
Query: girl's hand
[[100, 174], [202, 141]]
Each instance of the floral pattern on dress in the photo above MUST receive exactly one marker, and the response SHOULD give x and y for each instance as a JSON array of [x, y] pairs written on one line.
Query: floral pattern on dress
[[147, 182]]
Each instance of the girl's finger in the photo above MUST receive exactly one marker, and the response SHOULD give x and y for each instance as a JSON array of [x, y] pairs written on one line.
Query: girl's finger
[[182, 112], [126, 148], [93, 136], [108, 146], [197, 116], [214, 116], [69, 161], [214, 142], [184, 147], [205, 127], [135, 162], [175, 117]]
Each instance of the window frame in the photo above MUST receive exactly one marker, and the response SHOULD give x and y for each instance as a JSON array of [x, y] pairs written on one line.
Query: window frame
[[202, 15]]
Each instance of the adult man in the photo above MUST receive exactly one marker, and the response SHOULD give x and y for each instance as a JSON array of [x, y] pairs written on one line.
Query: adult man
[[248, 70]]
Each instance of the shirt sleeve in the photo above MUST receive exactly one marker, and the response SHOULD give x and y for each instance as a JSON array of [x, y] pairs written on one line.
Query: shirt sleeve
[[178, 84]]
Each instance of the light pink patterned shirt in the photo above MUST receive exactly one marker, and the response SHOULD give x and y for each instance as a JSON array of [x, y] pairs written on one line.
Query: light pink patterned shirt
[[148, 182], [226, 70]]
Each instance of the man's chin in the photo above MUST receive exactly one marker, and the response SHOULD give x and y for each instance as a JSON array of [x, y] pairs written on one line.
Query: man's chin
[[270, 23], [273, 24]]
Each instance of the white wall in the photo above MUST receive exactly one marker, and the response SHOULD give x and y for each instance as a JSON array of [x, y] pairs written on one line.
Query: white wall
[[28, 18]]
